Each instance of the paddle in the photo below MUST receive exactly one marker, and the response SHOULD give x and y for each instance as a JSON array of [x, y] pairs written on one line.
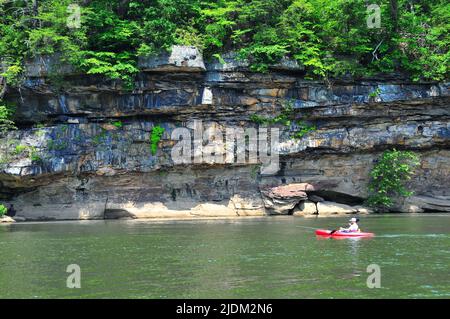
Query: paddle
[[333, 231]]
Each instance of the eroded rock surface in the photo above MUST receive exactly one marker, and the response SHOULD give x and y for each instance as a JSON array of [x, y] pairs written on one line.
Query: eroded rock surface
[[306, 208], [82, 151], [282, 199], [181, 58], [420, 204], [331, 208], [6, 219]]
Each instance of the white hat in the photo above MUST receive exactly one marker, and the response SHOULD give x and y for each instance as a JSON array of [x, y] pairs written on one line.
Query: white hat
[[353, 219]]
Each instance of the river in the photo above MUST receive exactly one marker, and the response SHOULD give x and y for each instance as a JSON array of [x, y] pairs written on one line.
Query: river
[[271, 257]]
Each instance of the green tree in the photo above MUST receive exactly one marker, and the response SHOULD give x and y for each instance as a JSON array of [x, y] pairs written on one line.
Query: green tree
[[389, 176], [6, 123], [329, 37], [3, 210], [155, 137]]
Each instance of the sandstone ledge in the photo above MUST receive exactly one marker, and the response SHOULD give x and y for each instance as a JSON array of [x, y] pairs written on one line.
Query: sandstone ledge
[[91, 169], [6, 219], [181, 59]]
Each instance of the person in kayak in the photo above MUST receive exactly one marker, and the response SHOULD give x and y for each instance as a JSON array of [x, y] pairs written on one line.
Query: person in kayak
[[353, 226]]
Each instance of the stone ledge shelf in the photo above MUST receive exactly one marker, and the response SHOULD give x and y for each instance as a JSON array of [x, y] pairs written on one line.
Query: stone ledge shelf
[[180, 59], [234, 64]]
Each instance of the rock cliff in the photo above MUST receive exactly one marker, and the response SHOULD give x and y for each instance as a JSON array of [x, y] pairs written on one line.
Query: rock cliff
[[82, 150]]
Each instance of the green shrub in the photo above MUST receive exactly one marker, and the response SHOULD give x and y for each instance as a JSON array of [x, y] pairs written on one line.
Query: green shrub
[[117, 124], [389, 176], [285, 118], [3, 210], [57, 145], [3, 161], [254, 171], [12, 74], [155, 137], [35, 158], [34, 155], [110, 64], [100, 138], [19, 149], [303, 130], [6, 123], [375, 93]]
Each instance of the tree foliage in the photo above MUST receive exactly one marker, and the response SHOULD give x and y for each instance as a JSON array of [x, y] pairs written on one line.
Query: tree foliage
[[389, 176], [3, 210], [287, 117], [155, 137], [6, 122], [330, 37]]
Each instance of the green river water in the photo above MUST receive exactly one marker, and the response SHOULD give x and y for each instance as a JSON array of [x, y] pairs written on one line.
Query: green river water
[[271, 257]]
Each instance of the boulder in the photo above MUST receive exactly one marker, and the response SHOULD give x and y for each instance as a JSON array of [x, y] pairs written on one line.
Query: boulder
[[289, 190], [407, 208], [363, 209], [181, 58], [106, 171], [281, 200], [287, 64], [275, 206], [232, 62], [247, 205], [418, 204], [6, 219], [306, 208], [45, 65], [332, 208]]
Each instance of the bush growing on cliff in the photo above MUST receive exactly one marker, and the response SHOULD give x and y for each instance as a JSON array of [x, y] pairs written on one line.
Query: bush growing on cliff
[[286, 118], [6, 123], [155, 137], [389, 176], [3, 210], [117, 124]]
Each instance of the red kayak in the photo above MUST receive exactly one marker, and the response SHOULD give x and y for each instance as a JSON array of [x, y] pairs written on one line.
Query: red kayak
[[341, 234]]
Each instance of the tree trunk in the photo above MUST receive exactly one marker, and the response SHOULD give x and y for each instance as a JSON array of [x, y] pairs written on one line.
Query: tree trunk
[[394, 14], [122, 8], [35, 11], [3, 87]]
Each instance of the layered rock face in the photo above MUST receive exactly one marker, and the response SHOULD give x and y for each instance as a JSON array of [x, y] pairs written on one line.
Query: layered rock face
[[82, 150]]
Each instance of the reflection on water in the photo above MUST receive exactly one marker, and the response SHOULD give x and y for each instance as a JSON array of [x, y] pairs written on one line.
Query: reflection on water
[[354, 245], [276, 257]]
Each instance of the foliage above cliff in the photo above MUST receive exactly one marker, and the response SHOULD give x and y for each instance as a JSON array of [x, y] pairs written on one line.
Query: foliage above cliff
[[330, 37]]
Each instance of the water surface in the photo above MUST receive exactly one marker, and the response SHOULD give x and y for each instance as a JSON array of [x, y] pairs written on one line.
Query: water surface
[[272, 257]]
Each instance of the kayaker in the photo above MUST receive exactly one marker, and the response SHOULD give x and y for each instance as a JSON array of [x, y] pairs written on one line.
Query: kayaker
[[353, 226]]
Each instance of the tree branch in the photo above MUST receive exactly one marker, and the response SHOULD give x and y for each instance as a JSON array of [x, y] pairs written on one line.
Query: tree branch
[[374, 52], [3, 87]]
